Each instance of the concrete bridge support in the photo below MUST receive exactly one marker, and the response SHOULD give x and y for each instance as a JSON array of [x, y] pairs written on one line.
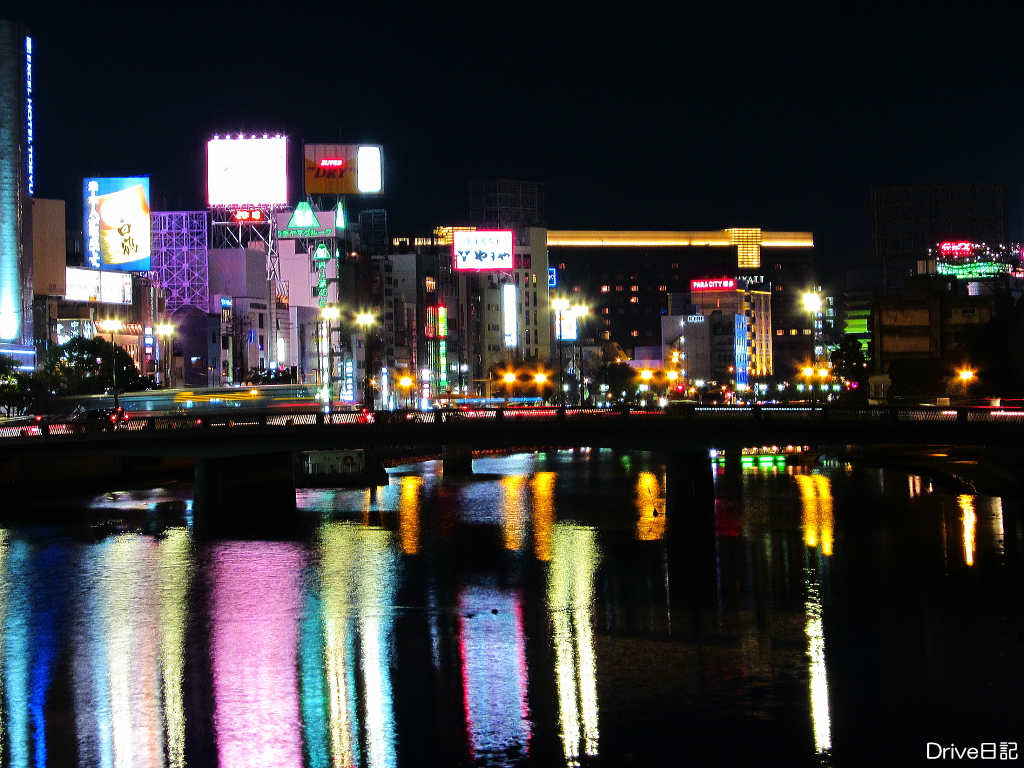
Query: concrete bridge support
[[240, 497], [456, 460], [690, 489], [690, 539]]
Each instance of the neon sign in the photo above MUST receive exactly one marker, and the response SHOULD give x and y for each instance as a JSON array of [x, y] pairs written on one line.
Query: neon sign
[[250, 215], [960, 248], [29, 129], [332, 163], [713, 284]]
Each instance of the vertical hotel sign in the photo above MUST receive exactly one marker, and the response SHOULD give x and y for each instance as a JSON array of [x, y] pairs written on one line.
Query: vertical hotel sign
[[117, 225], [29, 129]]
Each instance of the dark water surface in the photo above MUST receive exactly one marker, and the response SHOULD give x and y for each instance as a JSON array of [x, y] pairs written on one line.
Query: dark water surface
[[542, 613]]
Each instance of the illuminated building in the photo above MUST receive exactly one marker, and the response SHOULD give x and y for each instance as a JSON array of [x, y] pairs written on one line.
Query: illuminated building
[[495, 312], [908, 221], [627, 277], [726, 296], [16, 188]]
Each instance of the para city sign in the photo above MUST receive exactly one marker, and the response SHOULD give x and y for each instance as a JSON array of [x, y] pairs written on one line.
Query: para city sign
[[713, 284]]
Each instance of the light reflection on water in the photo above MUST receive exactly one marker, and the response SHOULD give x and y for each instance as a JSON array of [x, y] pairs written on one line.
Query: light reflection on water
[[545, 610]]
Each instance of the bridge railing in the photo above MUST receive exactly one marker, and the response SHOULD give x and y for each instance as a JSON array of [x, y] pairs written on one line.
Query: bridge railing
[[510, 416]]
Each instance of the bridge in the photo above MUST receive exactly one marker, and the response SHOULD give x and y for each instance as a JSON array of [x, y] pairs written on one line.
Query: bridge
[[245, 458]]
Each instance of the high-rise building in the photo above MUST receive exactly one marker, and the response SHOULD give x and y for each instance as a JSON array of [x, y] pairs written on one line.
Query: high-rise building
[[909, 221], [16, 188]]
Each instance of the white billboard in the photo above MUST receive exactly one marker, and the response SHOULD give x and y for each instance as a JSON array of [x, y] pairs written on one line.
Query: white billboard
[[97, 285], [484, 249], [247, 171]]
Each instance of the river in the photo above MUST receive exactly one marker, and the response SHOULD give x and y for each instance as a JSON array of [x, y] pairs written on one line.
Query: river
[[541, 613]]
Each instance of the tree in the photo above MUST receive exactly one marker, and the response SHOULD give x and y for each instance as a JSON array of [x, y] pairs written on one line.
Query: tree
[[83, 367]]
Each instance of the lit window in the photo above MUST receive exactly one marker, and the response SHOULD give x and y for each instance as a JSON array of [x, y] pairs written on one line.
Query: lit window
[[605, 310], [636, 333], [662, 287], [807, 331], [634, 299], [430, 284], [634, 288], [779, 332], [793, 332], [778, 287], [605, 288], [618, 287]]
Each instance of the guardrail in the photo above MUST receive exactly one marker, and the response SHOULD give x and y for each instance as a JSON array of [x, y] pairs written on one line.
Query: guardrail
[[499, 416]]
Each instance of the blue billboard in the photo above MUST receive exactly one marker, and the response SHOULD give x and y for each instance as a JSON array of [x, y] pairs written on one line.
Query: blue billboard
[[117, 226]]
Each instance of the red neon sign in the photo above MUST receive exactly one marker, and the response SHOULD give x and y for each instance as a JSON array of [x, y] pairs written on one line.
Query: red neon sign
[[713, 284], [250, 215], [959, 248], [332, 163]]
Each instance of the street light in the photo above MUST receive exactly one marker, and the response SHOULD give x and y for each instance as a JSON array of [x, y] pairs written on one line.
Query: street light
[[364, 320], [112, 326], [330, 313], [164, 331], [966, 376], [560, 305], [406, 383], [509, 379]]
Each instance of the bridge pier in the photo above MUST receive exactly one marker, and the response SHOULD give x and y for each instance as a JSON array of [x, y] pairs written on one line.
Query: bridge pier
[[690, 490], [456, 460], [244, 496]]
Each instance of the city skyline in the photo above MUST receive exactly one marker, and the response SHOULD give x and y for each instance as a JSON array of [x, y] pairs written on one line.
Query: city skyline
[[765, 120]]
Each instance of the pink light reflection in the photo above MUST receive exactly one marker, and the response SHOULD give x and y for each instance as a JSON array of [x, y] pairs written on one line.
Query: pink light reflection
[[256, 606]]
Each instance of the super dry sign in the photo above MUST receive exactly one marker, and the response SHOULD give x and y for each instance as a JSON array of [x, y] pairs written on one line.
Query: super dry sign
[[713, 284]]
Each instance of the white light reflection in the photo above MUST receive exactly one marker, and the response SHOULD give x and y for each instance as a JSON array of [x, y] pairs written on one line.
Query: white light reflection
[[493, 651], [821, 719], [574, 562]]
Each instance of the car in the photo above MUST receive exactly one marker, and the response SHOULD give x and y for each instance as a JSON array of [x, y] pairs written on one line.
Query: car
[[104, 419]]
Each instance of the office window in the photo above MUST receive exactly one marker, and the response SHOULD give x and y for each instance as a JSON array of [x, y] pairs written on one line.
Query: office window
[[634, 299], [779, 332], [634, 288], [807, 331], [662, 287], [618, 288], [793, 332], [605, 288], [635, 333]]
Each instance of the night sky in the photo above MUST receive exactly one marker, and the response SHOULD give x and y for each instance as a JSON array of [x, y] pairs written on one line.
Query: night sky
[[686, 119]]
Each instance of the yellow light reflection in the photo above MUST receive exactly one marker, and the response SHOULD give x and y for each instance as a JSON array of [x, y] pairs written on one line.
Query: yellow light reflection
[[132, 650], [970, 523], [821, 720], [358, 573], [175, 575], [816, 501], [409, 514], [513, 514], [650, 522], [570, 600], [543, 488]]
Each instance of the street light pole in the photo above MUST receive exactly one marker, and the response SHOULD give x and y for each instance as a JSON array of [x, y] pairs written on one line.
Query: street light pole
[[113, 326], [560, 305], [328, 314], [164, 331], [365, 320]]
